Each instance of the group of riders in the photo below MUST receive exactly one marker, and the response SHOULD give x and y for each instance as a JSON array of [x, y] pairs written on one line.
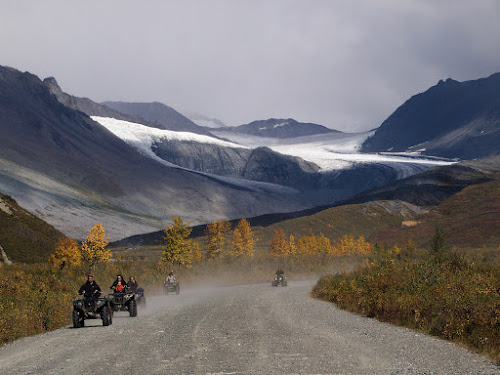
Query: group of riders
[[90, 289]]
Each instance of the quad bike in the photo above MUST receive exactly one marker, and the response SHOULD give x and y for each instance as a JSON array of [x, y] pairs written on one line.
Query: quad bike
[[123, 301], [92, 308], [140, 297], [171, 287], [279, 280]]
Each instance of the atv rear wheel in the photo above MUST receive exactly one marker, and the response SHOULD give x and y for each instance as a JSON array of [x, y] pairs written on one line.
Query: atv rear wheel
[[106, 316], [77, 319], [132, 308]]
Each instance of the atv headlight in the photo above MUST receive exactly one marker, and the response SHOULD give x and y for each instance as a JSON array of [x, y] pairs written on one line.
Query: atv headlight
[[100, 302]]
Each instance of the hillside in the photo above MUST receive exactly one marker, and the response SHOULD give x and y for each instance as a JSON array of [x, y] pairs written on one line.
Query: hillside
[[23, 236], [72, 172], [452, 119]]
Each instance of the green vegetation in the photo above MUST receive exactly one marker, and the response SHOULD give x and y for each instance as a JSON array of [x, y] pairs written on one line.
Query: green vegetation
[[443, 293]]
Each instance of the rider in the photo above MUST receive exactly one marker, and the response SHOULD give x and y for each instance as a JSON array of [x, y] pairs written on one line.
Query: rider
[[119, 287], [90, 289], [279, 273], [132, 283], [119, 279], [171, 278]]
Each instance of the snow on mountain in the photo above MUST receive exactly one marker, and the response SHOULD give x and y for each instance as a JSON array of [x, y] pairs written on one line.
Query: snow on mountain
[[144, 137], [331, 151]]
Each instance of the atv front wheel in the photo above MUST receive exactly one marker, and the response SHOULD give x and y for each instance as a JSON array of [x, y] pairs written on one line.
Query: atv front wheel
[[77, 319], [177, 289], [105, 316], [132, 308]]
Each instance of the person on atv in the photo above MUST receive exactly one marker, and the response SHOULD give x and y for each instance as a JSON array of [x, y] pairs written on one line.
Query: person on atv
[[171, 278], [119, 287], [90, 289], [119, 278], [132, 283]]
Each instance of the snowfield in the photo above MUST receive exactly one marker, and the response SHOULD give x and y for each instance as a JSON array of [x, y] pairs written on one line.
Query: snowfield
[[329, 151], [143, 137]]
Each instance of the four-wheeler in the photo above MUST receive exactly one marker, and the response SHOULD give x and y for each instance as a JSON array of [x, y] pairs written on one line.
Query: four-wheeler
[[140, 297], [91, 308], [169, 287], [279, 280], [124, 301]]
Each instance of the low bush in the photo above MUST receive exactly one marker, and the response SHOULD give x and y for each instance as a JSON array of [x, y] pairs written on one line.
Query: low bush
[[443, 294]]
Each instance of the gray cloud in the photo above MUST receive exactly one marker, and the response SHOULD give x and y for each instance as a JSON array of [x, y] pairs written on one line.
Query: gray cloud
[[344, 64]]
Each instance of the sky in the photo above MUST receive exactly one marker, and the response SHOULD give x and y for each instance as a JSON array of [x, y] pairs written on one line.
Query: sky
[[343, 64]]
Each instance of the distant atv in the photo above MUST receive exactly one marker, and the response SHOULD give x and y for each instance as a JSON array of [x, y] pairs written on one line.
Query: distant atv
[[169, 287], [279, 280], [140, 297], [91, 308], [124, 301]]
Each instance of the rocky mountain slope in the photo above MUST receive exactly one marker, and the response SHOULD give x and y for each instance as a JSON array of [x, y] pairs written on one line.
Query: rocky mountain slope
[[452, 119], [72, 172]]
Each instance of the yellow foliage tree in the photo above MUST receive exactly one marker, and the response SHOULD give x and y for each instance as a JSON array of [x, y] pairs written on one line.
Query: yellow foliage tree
[[243, 240], [178, 245], [215, 235], [196, 255], [279, 246], [94, 247], [67, 253], [292, 246]]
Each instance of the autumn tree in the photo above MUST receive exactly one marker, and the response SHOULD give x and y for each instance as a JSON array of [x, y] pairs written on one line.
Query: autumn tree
[[67, 253], [178, 245], [243, 240], [279, 247], [196, 254], [94, 247], [292, 246], [215, 235]]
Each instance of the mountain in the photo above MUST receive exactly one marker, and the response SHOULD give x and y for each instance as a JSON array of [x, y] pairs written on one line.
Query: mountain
[[24, 237], [71, 171], [159, 114], [452, 119], [279, 128]]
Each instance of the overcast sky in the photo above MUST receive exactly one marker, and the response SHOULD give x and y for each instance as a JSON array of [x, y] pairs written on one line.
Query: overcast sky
[[344, 64]]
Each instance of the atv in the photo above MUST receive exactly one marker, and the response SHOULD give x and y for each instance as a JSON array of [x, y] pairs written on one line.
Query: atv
[[123, 301], [279, 280], [91, 308], [169, 287], [140, 297]]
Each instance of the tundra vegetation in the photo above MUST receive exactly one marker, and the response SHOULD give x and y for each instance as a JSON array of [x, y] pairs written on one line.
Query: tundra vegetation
[[444, 292]]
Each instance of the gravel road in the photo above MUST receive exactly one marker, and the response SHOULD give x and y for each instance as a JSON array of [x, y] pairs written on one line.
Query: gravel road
[[252, 329]]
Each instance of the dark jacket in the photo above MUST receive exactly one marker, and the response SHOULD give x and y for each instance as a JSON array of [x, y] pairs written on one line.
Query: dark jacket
[[89, 289], [133, 285], [124, 283]]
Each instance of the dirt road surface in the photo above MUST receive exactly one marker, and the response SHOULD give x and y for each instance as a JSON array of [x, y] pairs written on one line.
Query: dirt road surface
[[252, 329]]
